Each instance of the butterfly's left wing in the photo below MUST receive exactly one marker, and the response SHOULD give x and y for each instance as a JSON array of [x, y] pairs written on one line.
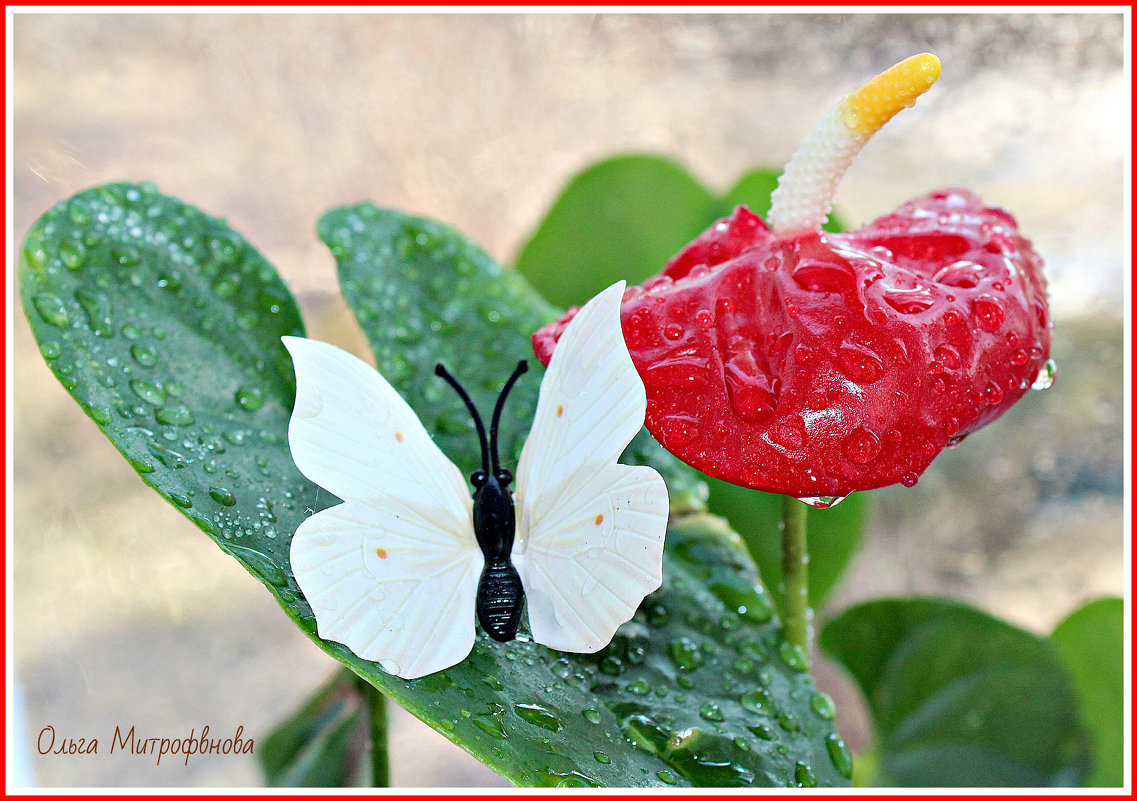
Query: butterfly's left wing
[[590, 531], [392, 572]]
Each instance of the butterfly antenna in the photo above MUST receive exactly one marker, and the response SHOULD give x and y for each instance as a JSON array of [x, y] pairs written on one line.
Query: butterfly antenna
[[522, 367], [441, 371]]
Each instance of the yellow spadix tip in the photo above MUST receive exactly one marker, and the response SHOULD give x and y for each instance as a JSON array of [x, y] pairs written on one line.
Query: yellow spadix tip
[[807, 185], [878, 100]]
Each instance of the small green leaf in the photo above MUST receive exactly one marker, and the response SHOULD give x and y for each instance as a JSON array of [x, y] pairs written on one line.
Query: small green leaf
[[959, 698], [1091, 644], [833, 534], [322, 744], [623, 217]]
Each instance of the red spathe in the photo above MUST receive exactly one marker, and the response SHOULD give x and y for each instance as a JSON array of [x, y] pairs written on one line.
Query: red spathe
[[822, 364]]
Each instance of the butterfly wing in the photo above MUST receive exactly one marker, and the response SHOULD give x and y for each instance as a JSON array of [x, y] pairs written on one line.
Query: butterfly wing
[[590, 532], [392, 572]]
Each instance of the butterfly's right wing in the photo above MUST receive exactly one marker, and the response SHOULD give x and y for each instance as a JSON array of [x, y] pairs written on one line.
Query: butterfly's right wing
[[392, 572], [590, 532]]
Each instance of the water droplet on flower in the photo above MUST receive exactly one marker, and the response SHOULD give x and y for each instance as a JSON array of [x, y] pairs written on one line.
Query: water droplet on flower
[[823, 501], [909, 301], [862, 446], [1046, 375], [673, 331], [909, 479], [860, 363], [993, 392], [948, 357], [988, 312]]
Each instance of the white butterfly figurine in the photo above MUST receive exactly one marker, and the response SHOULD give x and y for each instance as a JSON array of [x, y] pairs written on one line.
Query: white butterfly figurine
[[397, 571]]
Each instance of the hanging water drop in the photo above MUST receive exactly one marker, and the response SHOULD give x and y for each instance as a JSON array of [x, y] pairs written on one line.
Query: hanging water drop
[[1046, 376]]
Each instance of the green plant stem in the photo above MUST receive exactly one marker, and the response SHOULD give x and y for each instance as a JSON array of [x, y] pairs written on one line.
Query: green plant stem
[[380, 763], [795, 573]]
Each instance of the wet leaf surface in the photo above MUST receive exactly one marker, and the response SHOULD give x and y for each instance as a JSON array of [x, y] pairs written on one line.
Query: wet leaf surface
[[164, 324]]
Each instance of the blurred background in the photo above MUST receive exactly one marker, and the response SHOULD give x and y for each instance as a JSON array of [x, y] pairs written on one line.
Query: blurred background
[[125, 614]]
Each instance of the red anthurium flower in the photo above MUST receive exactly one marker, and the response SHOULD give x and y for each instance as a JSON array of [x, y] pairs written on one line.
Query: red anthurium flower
[[813, 364]]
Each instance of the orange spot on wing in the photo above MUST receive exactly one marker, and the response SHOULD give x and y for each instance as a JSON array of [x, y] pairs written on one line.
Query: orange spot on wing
[[599, 519], [399, 436], [382, 553], [560, 410]]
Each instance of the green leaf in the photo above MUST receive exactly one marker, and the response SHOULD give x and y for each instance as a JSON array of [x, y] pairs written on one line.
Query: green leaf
[[165, 326], [833, 534], [320, 745], [697, 689], [620, 218], [959, 698], [1091, 643]]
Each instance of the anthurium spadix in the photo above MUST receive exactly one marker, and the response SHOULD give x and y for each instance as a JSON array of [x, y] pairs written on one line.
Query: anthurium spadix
[[788, 359], [399, 570]]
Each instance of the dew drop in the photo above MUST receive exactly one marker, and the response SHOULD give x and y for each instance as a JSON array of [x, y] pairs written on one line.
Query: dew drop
[[51, 310], [988, 312], [144, 354], [757, 700], [601, 757], [591, 715], [98, 309], [993, 393], [149, 391], [174, 415], [909, 479], [666, 776], [1046, 376], [222, 496], [250, 398], [50, 350], [793, 656], [71, 253], [673, 331], [860, 363], [711, 712], [539, 716], [862, 446], [823, 501], [685, 653], [839, 754], [804, 775], [822, 706], [948, 357]]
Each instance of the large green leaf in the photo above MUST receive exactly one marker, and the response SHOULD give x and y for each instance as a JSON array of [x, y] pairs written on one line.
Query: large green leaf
[[959, 698], [833, 535], [164, 324], [1091, 644], [620, 218]]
